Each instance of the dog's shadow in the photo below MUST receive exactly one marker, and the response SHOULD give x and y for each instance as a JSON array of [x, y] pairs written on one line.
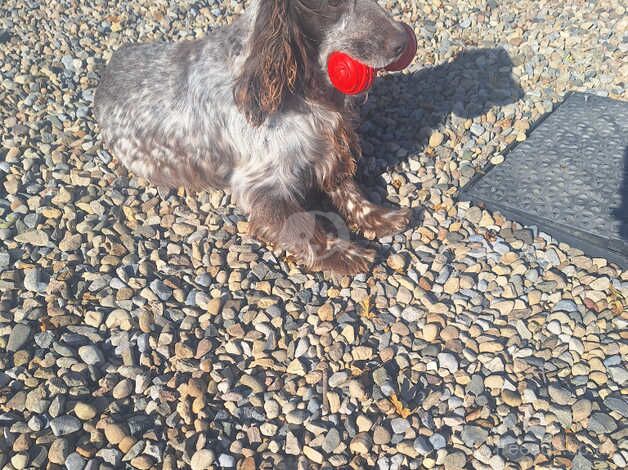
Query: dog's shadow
[[404, 109]]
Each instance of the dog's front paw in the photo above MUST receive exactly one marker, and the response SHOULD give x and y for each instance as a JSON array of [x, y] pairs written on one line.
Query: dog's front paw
[[345, 258], [382, 222]]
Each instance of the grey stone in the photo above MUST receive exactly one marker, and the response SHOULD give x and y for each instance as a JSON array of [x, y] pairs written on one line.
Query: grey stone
[[226, 461], [111, 456], [18, 337], [161, 289], [399, 425], [580, 462], [75, 462], [476, 385], [332, 441], [473, 436], [422, 446], [617, 404], [448, 361], [437, 441], [64, 425], [380, 376], [337, 379], [34, 281], [601, 423]]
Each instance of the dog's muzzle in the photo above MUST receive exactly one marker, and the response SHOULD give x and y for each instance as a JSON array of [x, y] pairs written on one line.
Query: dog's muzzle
[[352, 77]]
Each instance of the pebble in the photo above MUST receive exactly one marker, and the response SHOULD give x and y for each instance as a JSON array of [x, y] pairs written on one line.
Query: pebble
[[59, 451], [202, 459], [85, 411], [381, 435], [142, 462], [448, 361], [436, 139], [90, 354], [272, 409], [437, 441], [361, 444], [331, 442], [581, 409], [454, 461], [162, 291], [422, 446], [580, 462], [406, 448], [497, 160], [75, 462], [561, 395], [399, 425], [326, 312], [19, 461], [396, 262], [313, 455], [18, 337], [356, 390], [64, 425], [226, 461], [252, 383], [292, 445], [472, 436], [114, 433], [33, 281], [33, 237], [296, 367], [601, 423], [122, 389], [430, 332], [511, 398], [620, 405], [494, 381]]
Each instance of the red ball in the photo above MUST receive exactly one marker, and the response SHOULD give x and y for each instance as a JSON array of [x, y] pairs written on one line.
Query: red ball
[[352, 77], [408, 55], [348, 75]]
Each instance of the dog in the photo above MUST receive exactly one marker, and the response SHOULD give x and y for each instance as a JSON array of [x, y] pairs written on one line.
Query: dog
[[250, 109]]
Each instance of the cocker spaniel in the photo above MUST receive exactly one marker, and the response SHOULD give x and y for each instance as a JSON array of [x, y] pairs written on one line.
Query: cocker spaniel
[[252, 109]]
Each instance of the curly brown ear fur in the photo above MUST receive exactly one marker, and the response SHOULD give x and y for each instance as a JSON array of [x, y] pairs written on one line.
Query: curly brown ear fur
[[277, 57]]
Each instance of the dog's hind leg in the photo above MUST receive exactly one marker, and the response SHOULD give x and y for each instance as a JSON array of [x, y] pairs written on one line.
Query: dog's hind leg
[[284, 223]]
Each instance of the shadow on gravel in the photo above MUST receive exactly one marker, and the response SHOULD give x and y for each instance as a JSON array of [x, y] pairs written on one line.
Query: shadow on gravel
[[404, 109]]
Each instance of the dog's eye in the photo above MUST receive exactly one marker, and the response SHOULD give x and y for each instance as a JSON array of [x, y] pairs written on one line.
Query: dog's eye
[[320, 5]]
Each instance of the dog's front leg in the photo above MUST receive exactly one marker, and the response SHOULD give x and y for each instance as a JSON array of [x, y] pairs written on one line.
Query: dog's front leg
[[281, 221], [372, 220], [334, 176]]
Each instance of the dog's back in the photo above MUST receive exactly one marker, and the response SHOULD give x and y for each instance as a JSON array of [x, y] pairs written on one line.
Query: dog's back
[[155, 112]]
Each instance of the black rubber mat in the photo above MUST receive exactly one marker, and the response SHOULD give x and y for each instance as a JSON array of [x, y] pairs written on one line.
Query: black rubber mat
[[569, 178]]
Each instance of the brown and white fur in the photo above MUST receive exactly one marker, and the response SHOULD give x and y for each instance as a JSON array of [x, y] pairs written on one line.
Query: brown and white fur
[[250, 109]]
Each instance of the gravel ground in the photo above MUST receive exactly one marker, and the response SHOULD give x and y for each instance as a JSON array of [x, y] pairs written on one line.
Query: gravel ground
[[143, 329]]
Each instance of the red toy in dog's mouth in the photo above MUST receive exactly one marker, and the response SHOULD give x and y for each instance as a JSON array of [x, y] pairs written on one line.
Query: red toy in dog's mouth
[[352, 77]]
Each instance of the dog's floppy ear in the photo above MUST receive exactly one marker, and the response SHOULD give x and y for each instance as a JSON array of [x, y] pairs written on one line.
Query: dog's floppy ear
[[275, 56]]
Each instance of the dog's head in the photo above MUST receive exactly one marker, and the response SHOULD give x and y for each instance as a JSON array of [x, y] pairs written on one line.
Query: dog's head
[[292, 39]]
